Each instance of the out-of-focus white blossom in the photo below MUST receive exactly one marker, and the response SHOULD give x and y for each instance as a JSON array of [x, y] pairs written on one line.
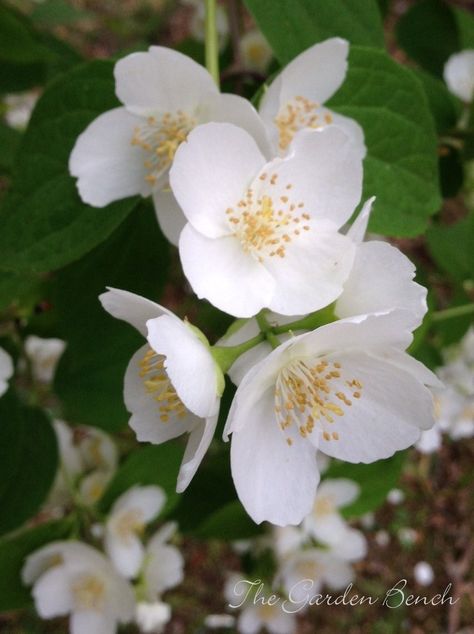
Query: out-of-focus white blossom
[[44, 355]]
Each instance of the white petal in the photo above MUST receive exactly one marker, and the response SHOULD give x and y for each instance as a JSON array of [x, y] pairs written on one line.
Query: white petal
[[92, 622], [228, 108], [274, 481], [145, 420], [126, 554], [198, 444], [387, 417], [148, 500], [6, 370], [219, 270], [169, 215], [331, 187], [132, 308], [328, 529], [311, 274], [249, 621], [358, 228], [315, 74], [459, 75], [430, 440], [211, 172], [247, 360], [107, 165], [380, 280], [52, 593], [189, 363], [352, 129], [352, 545], [337, 572], [341, 491], [161, 80], [163, 570]]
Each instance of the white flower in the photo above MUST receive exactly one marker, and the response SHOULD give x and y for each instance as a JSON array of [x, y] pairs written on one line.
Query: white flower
[[381, 279], [324, 523], [295, 99], [255, 51], [44, 355], [131, 512], [430, 440], [70, 466], [423, 573], [218, 621], [129, 150], [266, 234], [287, 539], [98, 450], [93, 485], [396, 496], [73, 578], [172, 385], [19, 108], [152, 617], [347, 389], [304, 573], [6, 370], [163, 564], [459, 75]]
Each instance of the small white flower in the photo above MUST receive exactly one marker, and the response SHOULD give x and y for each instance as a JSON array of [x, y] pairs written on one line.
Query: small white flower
[[6, 370], [152, 617], [73, 578], [93, 486], [70, 466], [265, 234], [287, 539], [395, 496], [382, 538], [459, 75], [218, 621], [325, 523], [172, 384], [381, 279], [430, 440], [295, 99], [163, 564], [44, 355], [19, 108], [127, 519], [423, 573], [347, 389], [129, 150], [98, 450], [255, 51]]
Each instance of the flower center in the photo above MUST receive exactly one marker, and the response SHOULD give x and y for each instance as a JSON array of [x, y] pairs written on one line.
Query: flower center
[[159, 138], [158, 384], [265, 225], [308, 570], [324, 505], [296, 114], [89, 592], [129, 523], [313, 394]]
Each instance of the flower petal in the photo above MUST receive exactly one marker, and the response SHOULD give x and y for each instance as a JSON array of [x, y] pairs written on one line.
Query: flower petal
[[148, 500], [198, 443], [161, 80], [163, 570], [341, 491], [207, 178], [220, 271], [52, 593], [126, 554], [132, 308], [380, 280], [108, 167], [169, 215], [274, 481], [92, 622], [356, 231]]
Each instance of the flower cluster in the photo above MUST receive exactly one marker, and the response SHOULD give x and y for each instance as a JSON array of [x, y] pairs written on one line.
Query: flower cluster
[[259, 203], [314, 555]]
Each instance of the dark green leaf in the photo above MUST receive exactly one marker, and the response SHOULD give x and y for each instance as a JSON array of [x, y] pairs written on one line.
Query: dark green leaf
[[44, 223], [292, 27], [428, 33], [444, 107], [452, 248], [13, 552], [53, 12], [28, 473], [401, 167], [9, 141], [230, 522], [465, 24]]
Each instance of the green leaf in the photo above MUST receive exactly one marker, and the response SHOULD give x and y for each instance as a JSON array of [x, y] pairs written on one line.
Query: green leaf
[[45, 225], [401, 166], [292, 27], [19, 44], [452, 248], [429, 34], [89, 379], [56, 12], [9, 142], [230, 522], [28, 468], [375, 481], [465, 24], [15, 288], [13, 552], [152, 464], [444, 107]]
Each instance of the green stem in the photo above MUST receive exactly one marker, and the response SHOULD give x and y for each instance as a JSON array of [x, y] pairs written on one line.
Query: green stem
[[456, 311], [267, 331], [212, 46], [310, 322], [225, 356]]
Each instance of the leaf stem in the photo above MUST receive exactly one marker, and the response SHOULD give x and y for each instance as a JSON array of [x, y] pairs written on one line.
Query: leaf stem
[[226, 355], [267, 330], [212, 48], [455, 311]]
